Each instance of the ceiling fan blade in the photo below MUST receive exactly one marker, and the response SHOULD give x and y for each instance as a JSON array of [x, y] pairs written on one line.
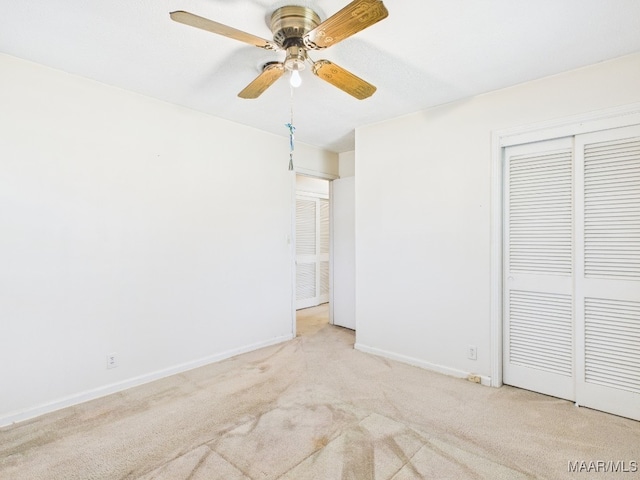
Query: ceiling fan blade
[[353, 18], [269, 75], [343, 79], [215, 27]]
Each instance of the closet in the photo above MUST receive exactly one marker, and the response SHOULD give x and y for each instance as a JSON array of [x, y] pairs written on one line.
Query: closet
[[571, 268]]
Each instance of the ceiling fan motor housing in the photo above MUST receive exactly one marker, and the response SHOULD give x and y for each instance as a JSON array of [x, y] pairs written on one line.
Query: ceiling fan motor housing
[[290, 24]]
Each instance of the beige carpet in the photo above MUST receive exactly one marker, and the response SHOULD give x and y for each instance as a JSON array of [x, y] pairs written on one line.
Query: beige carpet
[[314, 408]]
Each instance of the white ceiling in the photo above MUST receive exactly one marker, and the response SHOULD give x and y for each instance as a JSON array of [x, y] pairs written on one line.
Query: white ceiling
[[426, 53]]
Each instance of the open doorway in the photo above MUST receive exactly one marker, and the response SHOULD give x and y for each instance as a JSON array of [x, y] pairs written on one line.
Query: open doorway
[[312, 250], [324, 254], [311, 320]]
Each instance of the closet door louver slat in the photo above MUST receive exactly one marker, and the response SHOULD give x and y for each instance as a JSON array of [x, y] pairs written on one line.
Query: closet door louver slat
[[324, 226], [541, 331], [324, 279], [612, 184], [612, 343], [540, 213], [305, 227], [305, 281], [323, 252]]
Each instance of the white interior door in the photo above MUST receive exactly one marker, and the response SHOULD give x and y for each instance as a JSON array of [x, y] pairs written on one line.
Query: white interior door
[[538, 270], [312, 251], [608, 271], [344, 253]]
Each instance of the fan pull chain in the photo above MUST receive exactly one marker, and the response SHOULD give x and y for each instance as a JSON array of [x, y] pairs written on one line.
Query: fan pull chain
[[291, 138]]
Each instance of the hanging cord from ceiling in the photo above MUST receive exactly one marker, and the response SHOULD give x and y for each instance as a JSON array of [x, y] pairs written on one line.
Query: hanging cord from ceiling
[[292, 129]]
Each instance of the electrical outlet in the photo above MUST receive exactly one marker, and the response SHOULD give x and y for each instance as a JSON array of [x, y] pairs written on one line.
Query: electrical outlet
[[112, 360], [472, 352]]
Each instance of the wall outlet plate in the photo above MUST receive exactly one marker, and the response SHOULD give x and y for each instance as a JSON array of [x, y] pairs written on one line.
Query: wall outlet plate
[[112, 360], [472, 352]]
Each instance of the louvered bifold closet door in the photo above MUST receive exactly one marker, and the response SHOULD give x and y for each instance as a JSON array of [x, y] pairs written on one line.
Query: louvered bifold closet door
[[608, 271], [538, 267], [306, 247], [323, 253], [312, 251]]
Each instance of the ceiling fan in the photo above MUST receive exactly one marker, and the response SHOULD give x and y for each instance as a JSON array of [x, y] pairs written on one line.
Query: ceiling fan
[[296, 30]]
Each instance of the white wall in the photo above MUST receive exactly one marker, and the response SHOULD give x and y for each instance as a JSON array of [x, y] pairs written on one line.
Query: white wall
[[312, 185], [423, 214], [347, 164], [343, 248], [133, 226]]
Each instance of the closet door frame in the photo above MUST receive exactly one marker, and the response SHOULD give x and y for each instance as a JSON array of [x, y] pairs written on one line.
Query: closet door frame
[[624, 116]]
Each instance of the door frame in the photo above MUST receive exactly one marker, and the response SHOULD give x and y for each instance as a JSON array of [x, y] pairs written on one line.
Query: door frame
[[616, 117], [291, 238]]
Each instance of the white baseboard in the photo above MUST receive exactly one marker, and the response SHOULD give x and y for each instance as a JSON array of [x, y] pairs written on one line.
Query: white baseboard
[[453, 372], [105, 390]]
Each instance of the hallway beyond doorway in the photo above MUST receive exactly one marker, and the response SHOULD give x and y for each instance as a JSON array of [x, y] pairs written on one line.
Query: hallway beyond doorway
[[311, 320]]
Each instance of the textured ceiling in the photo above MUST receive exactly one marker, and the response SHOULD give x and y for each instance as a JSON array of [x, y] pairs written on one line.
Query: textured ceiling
[[426, 53]]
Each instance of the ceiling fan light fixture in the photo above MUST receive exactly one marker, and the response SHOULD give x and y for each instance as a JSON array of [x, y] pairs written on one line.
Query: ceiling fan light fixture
[[295, 30], [296, 58], [296, 79], [295, 63]]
